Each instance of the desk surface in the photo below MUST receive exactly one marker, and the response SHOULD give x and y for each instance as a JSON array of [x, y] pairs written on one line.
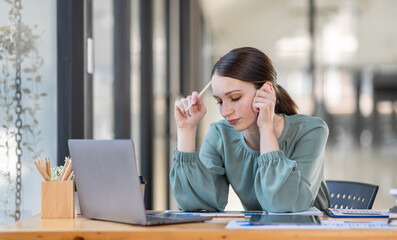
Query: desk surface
[[82, 228]]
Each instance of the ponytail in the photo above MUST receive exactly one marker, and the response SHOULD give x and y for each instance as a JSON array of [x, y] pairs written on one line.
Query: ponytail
[[284, 102]]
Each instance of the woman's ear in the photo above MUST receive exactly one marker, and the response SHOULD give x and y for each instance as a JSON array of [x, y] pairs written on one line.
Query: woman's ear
[[270, 85]]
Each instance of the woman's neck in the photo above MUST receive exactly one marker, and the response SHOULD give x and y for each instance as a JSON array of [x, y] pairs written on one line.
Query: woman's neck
[[252, 136]]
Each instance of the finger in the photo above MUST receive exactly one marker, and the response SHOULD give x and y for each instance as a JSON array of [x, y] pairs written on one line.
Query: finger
[[262, 100], [189, 100], [263, 107], [267, 87], [263, 94], [179, 108], [263, 87], [199, 103], [194, 97], [259, 100], [185, 103], [267, 95], [191, 111], [270, 90]]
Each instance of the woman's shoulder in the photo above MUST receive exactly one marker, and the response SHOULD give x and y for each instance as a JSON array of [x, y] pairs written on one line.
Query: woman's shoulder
[[307, 122]]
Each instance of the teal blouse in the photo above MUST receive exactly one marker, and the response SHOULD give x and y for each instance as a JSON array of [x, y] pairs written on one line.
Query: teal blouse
[[290, 179]]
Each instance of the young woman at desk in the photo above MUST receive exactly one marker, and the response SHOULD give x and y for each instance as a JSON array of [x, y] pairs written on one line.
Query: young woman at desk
[[272, 156]]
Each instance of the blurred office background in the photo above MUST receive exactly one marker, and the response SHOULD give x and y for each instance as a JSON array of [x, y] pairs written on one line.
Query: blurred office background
[[109, 69]]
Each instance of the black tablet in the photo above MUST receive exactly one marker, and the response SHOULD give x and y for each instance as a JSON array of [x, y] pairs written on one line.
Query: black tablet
[[284, 219]]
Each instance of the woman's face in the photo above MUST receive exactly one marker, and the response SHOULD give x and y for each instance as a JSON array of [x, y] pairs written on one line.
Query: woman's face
[[235, 101]]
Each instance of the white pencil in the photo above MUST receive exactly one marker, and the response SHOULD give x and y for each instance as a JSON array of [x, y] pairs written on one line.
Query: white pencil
[[201, 93]]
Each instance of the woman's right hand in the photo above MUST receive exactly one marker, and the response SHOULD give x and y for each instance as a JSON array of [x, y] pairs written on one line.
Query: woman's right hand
[[192, 117]]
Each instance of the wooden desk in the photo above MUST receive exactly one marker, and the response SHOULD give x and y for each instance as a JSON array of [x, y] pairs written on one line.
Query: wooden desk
[[81, 228]]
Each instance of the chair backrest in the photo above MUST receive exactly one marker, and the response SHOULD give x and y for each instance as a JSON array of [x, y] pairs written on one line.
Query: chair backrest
[[351, 195]]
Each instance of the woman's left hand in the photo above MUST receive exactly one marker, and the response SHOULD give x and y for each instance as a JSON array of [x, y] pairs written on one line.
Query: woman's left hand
[[263, 104]]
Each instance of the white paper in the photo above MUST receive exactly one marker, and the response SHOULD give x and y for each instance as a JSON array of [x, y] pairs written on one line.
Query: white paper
[[310, 211]]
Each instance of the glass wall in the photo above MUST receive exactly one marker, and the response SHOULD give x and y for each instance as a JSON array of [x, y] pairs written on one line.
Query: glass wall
[[103, 74], [38, 101], [160, 113]]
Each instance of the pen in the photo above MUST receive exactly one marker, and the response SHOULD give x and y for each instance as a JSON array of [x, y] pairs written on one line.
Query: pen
[[201, 93]]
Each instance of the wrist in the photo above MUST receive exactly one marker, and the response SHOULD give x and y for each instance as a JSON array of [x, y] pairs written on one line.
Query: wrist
[[186, 139], [186, 131]]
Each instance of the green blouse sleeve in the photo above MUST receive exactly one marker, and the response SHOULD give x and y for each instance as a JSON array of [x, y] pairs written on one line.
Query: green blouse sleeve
[[291, 184], [199, 182]]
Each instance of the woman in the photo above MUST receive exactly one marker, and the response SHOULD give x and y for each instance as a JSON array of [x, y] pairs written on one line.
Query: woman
[[271, 156]]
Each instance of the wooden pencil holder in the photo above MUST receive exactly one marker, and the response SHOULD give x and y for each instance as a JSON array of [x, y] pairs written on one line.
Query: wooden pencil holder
[[57, 199]]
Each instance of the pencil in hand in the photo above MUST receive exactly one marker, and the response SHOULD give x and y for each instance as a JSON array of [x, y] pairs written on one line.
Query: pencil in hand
[[201, 93]]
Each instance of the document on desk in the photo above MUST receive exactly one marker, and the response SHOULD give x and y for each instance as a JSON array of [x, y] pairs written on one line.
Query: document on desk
[[325, 224], [231, 214], [310, 211]]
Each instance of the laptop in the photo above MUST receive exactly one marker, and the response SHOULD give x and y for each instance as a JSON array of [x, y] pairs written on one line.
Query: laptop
[[108, 184]]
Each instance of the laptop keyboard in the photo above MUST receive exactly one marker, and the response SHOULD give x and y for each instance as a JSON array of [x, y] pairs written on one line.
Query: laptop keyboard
[[166, 218], [358, 212], [160, 219]]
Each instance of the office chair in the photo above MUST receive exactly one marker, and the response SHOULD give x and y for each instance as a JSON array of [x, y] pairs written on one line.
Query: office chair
[[351, 195]]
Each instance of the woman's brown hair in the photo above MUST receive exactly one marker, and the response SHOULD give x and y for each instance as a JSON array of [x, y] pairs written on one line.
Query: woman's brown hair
[[251, 65]]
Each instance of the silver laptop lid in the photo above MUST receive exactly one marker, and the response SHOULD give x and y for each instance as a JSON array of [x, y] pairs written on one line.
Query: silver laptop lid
[[107, 180]]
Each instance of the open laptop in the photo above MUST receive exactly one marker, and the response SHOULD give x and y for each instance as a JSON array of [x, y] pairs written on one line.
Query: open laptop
[[108, 184]]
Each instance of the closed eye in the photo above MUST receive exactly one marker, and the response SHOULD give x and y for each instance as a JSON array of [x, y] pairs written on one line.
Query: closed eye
[[233, 100]]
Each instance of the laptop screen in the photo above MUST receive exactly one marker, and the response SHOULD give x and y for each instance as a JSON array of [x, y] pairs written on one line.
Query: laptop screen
[[107, 180]]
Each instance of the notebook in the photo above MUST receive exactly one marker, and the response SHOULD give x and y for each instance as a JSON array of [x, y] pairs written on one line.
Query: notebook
[[108, 185]]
